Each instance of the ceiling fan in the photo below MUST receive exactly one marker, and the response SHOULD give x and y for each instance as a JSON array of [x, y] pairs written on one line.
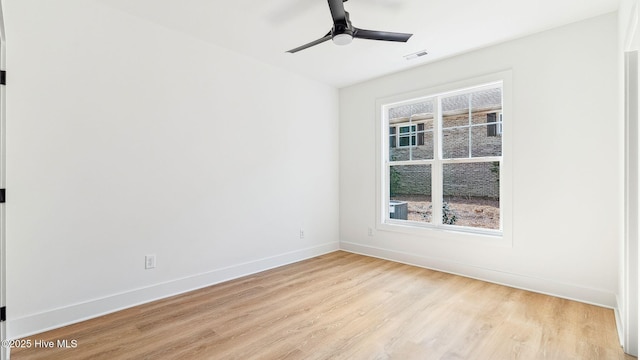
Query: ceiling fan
[[342, 32]]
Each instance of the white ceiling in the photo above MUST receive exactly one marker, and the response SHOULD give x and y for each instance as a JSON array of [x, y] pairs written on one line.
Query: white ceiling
[[264, 30]]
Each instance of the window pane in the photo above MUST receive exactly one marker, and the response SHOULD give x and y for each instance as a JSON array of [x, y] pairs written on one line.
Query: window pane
[[404, 141], [410, 192], [486, 141], [449, 121], [411, 131], [471, 195], [455, 111], [455, 143], [485, 109], [411, 142], [399, 154], [483, 102], [424, 150]]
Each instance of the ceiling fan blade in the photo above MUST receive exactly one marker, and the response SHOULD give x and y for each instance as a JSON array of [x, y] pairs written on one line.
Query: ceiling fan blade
[[313, 43], [380, 35], [337, 11]]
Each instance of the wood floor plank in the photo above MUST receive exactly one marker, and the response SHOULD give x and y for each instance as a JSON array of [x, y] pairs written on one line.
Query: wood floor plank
[[345, 306]]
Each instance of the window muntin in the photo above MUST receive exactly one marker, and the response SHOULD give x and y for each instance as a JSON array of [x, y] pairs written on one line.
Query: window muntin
[[460, 144]]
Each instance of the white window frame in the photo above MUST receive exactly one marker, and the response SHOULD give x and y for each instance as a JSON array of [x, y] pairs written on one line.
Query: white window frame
[[436, 230]]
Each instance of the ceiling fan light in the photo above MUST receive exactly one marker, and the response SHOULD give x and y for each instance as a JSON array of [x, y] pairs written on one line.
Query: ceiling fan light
[[342, 39]]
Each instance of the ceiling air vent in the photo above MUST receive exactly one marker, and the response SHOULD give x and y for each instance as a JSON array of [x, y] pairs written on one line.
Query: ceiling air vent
[[416, 55]]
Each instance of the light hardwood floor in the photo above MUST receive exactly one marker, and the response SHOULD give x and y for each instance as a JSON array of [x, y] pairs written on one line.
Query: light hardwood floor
[[345, 306]]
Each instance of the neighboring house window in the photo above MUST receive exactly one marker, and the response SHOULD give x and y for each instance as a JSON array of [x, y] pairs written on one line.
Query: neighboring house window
[[406, 135], [494, 124], [443, 160]]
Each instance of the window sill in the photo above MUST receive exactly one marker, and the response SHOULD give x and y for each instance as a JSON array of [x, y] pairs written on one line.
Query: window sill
[[448, 233]]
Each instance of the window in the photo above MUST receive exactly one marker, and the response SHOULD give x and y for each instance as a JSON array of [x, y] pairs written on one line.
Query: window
[[443, 159], [406, 135], [494, 124]]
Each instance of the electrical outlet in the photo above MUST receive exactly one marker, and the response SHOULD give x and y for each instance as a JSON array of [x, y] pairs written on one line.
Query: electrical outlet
[[150, 262], [370, 232], [301, 234]]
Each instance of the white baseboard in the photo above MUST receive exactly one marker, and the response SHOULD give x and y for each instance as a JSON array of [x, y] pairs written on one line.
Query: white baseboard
[[37, 323], [539, 285]]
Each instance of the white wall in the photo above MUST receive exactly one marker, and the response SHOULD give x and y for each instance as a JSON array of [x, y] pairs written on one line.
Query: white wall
[[127, 139], [566, 165]]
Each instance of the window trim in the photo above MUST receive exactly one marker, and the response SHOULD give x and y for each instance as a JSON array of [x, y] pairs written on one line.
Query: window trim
[[444, 231]]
